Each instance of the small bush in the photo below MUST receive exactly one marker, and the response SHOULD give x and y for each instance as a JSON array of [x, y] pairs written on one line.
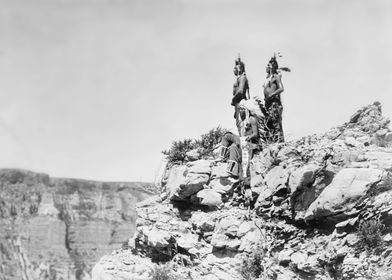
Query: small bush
[[161, 272], [205, 145], [209, 140], [370, 233], [178, 150], [251, 267]]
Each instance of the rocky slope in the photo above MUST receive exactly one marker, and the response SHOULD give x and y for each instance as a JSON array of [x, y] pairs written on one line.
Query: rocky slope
[[53, 228], [318, 208]]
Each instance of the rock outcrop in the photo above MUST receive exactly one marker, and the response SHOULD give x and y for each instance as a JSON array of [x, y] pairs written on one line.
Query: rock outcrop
[[53, 228], [309, 201]]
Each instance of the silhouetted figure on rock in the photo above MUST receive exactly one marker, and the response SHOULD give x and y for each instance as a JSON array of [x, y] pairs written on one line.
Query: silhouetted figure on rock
[[240, 88], [273, 87]]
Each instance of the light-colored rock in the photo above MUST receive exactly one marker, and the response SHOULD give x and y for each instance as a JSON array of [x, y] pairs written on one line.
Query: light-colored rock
[[187, 241], [203, 221], [259, 165], [284, 257], [380, 159], [342, 251], [176, 178], [304, 262], [158, 238], [222, 185], [298, 259], [122, 266], [193, 155], [219, 170], [183, 181], [352, 239], [302, 177], [201, 166], [219, 240], [233, 244], [387, 238], [275, 180], [210, 197], [251, 240], [341, 195], [229, 225], [352, 142], [245, 227]]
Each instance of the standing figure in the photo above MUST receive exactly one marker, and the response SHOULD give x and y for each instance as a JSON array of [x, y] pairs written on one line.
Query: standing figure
[[240, 88], [273, 87]]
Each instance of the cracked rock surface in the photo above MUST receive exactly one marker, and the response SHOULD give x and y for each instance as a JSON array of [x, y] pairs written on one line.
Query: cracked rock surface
[[309, 198]]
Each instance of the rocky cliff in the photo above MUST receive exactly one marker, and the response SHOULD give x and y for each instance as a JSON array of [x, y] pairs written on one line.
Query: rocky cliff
[[52, 228], [318, 208]]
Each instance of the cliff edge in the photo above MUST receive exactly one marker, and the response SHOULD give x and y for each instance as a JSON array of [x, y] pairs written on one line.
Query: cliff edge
[[318, 208]]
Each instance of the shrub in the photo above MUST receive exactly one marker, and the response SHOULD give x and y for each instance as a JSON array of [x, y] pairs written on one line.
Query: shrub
[[370, 233], [178, 150], [161, 272], [205, 145], [251, 266], [209, 140]]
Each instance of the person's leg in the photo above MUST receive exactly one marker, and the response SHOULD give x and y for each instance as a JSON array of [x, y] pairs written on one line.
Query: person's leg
[[227, 140], [233, 167], [281, 134]]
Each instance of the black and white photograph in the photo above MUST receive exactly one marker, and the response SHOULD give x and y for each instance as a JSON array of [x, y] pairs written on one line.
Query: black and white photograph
[[195, 140]]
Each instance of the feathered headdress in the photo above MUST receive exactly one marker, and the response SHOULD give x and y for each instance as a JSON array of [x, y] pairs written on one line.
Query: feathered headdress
[[240, 63], [274, 63]]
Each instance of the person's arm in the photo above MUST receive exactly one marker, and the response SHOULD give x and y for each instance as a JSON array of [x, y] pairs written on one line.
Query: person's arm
[[255, 131], [247, 96], [242, 84], [279, 85]]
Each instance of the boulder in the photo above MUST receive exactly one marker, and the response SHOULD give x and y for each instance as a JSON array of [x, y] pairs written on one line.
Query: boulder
[[251, 240], [304, 262], [187, 241], [259, 166], [200, 167], [284, 257], [210, 197], [158, 238], [183, 182], [229, 225], [222, 185], [337, 199], [302, 177], [176, 178], [275, 181], [379, 159], [219, 180], [219, 170], [203, 221], [219, 240], [244, 228]]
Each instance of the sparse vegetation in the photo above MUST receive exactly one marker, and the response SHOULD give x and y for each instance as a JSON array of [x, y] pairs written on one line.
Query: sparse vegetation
[[161, 272], [178, 150], [370, 233], [209, 140], [251, 267], [204, 146]]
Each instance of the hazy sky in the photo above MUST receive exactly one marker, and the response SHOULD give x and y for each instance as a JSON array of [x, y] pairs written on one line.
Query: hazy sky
[[97, 88]]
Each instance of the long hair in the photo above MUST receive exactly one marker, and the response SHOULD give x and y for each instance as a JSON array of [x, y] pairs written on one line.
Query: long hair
[[274, 64]]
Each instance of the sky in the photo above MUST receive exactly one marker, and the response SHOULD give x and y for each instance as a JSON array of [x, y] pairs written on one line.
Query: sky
[[96, 89]]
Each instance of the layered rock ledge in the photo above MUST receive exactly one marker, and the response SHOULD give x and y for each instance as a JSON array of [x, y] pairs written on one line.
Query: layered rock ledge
[[309, 198], [53, 228]]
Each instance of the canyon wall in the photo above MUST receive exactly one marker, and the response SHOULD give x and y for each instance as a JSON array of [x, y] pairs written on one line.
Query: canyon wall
[[55, 228]]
